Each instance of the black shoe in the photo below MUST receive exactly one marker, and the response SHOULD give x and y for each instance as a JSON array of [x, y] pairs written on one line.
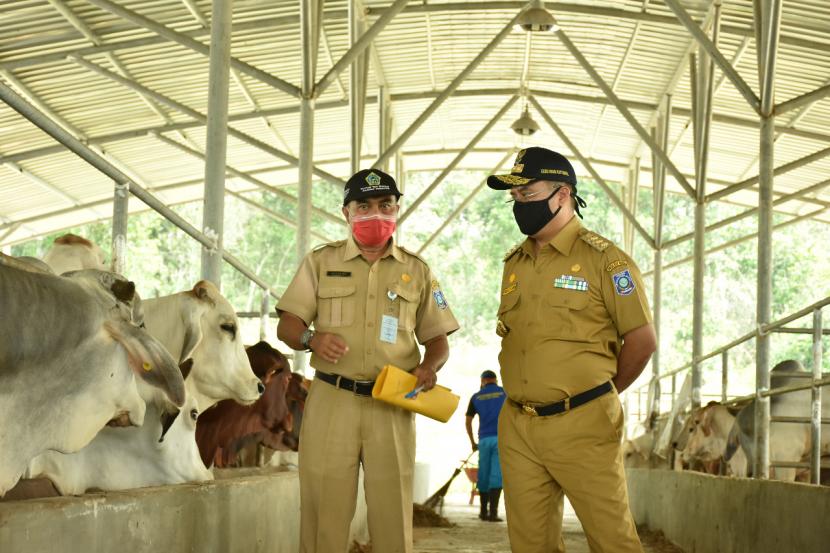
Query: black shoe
[[484, 497], [494, 496]]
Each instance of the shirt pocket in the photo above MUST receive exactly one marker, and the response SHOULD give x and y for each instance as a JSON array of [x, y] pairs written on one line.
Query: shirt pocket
[[508, 312], [408, 301], [336, 306], [564, 313]]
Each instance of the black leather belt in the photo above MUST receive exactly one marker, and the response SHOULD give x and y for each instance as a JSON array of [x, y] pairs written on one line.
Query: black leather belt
[[566, 404], [359, 387]]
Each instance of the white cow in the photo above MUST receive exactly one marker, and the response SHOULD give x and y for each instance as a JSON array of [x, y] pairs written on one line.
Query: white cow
[[202, 325], [73, 253], [124, 458], [200, 328], [709, 430], [69, 353]]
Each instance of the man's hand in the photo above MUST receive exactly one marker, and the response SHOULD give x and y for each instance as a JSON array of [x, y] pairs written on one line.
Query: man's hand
[[330, 347], [475, 446], [426, 377]]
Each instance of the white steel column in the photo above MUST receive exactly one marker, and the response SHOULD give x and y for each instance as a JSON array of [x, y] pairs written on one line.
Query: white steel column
[[120, 205], [770, 26], [309, 36], [217, 137]]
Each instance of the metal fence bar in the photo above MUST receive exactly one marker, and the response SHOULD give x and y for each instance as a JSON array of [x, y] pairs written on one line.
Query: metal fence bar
[[724, 375], [815, 423]]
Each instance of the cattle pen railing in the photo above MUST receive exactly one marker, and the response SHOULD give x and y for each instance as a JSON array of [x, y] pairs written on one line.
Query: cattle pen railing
[[761, 461]]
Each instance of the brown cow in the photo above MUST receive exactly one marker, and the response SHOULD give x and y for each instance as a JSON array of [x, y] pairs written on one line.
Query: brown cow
[[222, 430]]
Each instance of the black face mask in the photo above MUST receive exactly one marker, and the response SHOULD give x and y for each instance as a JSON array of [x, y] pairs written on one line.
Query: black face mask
[[533, 216]]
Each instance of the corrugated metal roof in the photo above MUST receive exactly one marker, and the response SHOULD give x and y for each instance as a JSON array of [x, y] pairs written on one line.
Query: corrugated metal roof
[[638, 47]]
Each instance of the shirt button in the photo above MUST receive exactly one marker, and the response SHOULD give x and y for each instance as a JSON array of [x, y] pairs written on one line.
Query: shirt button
[[370, 324], [523, 352], [371, 296], [535, 296]]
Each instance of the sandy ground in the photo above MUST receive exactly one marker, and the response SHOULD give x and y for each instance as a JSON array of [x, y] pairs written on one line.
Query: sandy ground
[[471, 535]]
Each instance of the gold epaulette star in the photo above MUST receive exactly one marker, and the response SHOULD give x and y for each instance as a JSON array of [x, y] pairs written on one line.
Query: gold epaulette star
[[595, 240], [512, 252]]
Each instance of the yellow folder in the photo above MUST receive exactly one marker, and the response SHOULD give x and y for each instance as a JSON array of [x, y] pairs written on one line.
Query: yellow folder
[[393, 384]]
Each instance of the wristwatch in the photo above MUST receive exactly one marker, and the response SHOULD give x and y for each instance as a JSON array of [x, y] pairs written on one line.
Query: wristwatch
[[305, 338]]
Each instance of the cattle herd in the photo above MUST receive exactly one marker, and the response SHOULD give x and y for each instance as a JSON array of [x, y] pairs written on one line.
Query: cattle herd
[[719, 439], [101, 390]]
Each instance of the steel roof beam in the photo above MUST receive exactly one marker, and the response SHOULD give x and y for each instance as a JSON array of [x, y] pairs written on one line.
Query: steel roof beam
[[780, 170], [17, 103], [803, 100], [752, 211], [339, 104], [742, 239], [359, 45], [464, 203], [707, 44], [274, 215], [596, 176], [195, 45], [626, 113], [509, 6], [200, 118], [447, 92], [253, 180], [198, 181], [454, 163]]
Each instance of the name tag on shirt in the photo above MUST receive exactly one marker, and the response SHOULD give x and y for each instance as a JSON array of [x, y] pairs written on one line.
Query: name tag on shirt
[[389, 329]]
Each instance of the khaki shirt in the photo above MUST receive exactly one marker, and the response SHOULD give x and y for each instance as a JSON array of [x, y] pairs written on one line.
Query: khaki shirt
[[338, 291], [563, 313]]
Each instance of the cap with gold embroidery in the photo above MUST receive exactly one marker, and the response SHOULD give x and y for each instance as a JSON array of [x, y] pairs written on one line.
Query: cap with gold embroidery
[[367, 183], [534, 164]]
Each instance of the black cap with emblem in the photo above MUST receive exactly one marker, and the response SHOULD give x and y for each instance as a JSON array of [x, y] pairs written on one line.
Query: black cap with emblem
[[367, 183], [537, 163], [534, 164]]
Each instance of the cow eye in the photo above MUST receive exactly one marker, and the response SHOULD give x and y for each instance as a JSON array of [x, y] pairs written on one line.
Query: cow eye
[[194, 414], [228, 327]]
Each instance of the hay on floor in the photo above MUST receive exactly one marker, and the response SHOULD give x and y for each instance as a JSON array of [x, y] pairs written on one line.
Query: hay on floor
[[424, 517]]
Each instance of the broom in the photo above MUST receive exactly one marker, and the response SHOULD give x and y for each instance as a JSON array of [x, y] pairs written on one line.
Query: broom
[[438, 497]]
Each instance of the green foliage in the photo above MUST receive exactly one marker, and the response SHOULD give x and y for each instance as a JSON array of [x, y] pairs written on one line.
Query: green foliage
[[467, 259]]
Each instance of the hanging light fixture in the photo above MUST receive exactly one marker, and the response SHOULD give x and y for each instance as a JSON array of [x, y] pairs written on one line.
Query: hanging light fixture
[[537, 19], [525, 125]]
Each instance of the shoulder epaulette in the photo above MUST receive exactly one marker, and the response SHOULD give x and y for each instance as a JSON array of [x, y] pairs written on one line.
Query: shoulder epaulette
[[413, 254], [512, 252], [594, 240], [334, 244]]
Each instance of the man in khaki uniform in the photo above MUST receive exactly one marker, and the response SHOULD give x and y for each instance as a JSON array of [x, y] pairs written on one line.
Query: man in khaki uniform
[[368, 300], [576, 329]]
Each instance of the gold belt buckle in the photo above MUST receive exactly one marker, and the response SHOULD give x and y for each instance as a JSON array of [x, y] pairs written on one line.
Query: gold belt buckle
[[567, 401], [530, 410]]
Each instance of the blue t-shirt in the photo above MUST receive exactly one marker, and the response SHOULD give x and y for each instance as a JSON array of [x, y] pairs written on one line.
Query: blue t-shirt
[[486, 403]]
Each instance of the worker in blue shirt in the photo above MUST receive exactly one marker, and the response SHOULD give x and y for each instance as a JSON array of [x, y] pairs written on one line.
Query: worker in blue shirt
[[486, 403]]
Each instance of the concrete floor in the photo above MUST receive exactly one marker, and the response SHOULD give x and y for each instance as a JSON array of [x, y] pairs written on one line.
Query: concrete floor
[[472, 535]]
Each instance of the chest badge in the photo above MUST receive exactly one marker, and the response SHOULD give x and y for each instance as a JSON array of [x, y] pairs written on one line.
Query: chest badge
[[405, 277], [576, 267], [570, 282], [623, 283]]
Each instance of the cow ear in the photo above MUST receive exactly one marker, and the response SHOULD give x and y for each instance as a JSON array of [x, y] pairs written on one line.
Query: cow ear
[[201, 291], [124, 290], [186, 366], [192, 333]]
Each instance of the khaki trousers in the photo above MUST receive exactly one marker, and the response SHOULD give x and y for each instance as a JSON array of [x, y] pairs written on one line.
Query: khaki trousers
[[340, 430], [577, 453]]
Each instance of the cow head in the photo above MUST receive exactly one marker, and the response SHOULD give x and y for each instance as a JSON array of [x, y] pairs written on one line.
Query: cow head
[[212, 339], [147, 357], [706, 441]]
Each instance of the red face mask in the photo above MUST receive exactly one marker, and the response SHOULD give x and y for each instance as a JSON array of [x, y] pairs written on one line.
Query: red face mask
[[373, 230]]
